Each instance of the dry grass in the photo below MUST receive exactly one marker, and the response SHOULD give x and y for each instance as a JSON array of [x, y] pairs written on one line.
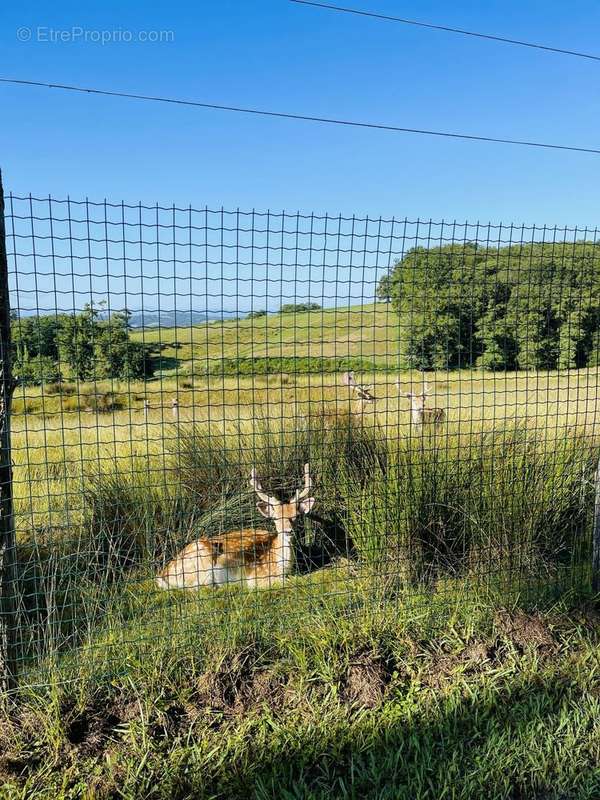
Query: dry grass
[[56, 442]]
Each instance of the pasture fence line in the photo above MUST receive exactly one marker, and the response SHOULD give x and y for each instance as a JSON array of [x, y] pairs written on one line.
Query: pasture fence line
[[224, 417]]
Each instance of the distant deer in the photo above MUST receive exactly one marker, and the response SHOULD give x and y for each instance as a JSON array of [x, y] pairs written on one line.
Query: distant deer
[[254, 557], [420, 414], [364, 396]]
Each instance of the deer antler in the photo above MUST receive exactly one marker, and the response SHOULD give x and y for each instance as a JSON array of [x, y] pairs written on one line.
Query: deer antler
[[305, 492], [364, 392], [255, 484], [348, 379]]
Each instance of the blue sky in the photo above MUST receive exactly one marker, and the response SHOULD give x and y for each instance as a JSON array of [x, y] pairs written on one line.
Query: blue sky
[[281, 56]]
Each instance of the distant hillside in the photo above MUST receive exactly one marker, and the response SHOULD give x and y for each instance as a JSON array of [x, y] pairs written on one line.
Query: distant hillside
[[369, 333]]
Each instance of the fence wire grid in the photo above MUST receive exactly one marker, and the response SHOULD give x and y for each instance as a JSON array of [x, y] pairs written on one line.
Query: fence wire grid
[[225, 417]]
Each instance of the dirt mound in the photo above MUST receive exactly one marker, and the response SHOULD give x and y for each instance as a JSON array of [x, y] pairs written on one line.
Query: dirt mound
[[525, 631], [90, 730], [442, 666], [239, 684], [367, 678]]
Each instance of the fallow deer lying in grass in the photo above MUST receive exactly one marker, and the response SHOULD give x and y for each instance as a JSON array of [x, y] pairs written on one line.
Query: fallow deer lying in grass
[[364, 397], [254, 557], [420, 414]]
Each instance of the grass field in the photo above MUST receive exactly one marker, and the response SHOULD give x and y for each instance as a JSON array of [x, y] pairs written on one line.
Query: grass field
[[430, 643]]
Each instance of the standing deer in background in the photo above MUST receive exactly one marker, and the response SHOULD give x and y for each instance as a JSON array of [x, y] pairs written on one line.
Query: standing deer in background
[[420, 414], [364, 396], [254, 557]]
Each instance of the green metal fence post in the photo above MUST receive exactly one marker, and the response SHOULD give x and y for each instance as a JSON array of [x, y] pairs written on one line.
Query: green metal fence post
[[7, 527]]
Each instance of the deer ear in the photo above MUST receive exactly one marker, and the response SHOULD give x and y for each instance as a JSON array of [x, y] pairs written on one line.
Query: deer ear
[[266, 509], [305, 506]]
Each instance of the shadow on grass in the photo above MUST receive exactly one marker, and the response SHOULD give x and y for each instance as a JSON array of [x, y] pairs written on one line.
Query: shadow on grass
[[530, 740], [500, 736]]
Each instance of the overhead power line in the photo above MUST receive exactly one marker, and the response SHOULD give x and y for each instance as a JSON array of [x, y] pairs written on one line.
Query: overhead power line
[[304, 117], [447, 29]]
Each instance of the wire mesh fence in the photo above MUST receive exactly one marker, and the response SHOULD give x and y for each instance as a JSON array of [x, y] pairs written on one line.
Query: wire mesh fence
[[225, 417]]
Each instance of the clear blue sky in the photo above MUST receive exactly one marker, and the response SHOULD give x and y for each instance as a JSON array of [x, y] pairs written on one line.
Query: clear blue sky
[[278, 55]]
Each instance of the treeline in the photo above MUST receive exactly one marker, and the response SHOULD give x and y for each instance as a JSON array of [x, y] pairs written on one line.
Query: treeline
[[81, 346], [526, 306], [287, 308]]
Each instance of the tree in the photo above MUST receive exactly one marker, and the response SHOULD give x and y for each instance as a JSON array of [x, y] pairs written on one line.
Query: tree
[[84, 344], [295, 308], [384, 289], [525, 306], [37, 371], [439, 295], [77, 339], [116, 355]]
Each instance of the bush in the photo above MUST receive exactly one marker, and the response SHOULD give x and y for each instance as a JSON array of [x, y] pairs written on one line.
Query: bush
[[37, 371], [99, 402], [273, 365], [65, 389]]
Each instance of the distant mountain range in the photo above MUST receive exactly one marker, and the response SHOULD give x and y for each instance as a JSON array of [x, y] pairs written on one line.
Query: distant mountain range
[[167, 318], [173, 319]]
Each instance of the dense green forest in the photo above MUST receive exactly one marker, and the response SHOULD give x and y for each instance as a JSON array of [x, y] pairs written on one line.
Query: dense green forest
[[525, 306], [83, 346]]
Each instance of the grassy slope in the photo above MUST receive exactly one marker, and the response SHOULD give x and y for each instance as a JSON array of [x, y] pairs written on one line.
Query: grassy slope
[[368, 331], [367, 694]]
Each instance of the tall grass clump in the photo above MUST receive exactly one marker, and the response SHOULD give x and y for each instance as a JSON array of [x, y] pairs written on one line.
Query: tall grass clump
[[207, 466], [68, 579], [489, 505], [131, 519], [213, 471]]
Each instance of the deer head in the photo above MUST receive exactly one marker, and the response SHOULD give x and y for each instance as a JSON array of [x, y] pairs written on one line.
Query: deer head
[[420, 414], [283, 514], [417, 399], [362, 390]]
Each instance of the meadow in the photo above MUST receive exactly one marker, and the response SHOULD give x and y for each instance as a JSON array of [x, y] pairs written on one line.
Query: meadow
[[437, 637]]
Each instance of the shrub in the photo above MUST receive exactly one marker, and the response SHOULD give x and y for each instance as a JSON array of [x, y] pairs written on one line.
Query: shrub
[[61, 388], [272, 365], [100, 402], [37, 371]]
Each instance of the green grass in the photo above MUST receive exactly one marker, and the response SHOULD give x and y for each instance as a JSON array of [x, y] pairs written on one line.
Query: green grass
[[500, 506], [369, 693]]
